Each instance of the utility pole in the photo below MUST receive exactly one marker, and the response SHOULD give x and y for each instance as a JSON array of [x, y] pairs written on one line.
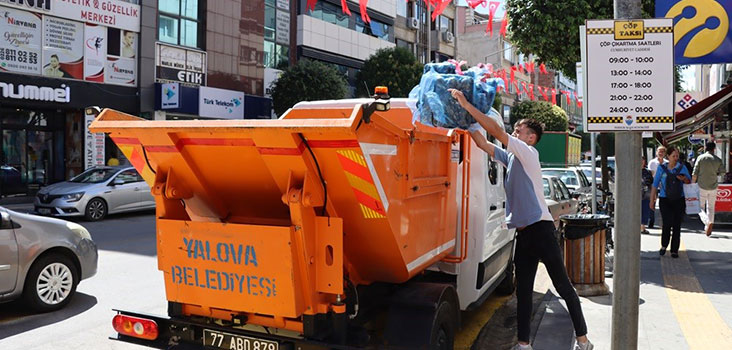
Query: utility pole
[[627, 222]]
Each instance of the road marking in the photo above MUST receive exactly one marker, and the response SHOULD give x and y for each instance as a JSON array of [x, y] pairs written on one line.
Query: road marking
[[700, 322], [474, 321]]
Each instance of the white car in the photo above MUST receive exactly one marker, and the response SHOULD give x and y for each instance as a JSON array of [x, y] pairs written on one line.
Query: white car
[[558, 198]]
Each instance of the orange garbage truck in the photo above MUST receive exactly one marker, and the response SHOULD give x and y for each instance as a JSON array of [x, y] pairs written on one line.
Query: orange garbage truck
[[340, 225]]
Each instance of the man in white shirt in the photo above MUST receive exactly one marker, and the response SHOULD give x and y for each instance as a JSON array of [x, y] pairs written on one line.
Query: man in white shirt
[[653, 166], [527, 212]]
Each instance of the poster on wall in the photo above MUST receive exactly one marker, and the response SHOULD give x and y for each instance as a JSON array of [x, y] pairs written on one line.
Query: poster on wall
[[283, 27], [95, 52], [63, 48], [20, 44], [93, 145], [121, 66]]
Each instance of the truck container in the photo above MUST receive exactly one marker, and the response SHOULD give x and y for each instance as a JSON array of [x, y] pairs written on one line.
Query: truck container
[[340, 225]]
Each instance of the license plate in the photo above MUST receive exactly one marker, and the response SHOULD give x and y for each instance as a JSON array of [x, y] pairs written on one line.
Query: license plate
[[44, 210], [223, 340]]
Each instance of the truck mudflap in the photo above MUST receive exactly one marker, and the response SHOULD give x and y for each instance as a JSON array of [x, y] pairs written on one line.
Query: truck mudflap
[[185, 333]]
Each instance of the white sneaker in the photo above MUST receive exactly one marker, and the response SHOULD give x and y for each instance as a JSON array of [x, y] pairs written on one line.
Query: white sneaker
[[584, 346], [522, 347]]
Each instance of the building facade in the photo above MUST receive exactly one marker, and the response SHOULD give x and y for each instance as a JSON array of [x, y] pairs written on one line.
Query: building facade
[[56, 58]]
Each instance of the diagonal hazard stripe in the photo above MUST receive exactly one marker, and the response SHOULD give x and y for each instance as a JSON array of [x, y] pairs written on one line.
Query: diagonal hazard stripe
[[363, 186], [355, 168], [353, 156], [137, 161], [369, 202], [370, 214]]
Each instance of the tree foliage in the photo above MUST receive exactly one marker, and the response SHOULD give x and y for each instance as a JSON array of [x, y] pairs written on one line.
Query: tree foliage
[[307, 81], [550, 29], [395, 68], [553, 117]]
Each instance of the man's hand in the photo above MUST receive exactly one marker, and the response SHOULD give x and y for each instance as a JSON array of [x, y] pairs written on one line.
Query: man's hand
[[459, 96]]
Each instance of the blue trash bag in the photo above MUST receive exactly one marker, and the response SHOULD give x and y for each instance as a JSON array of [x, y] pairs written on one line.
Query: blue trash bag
[[432, 104]]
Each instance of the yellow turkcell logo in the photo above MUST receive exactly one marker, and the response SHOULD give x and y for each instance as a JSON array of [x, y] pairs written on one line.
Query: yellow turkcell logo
[[695, 14]]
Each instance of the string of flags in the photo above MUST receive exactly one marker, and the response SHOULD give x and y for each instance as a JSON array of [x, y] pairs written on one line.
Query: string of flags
[[509, 79]]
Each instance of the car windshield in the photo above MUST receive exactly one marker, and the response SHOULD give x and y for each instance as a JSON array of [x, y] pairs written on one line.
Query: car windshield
[[567, 176], [94, 176], [547, 191], [588, 173]]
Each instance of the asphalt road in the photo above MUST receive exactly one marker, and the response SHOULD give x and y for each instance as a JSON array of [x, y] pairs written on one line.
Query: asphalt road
[[127, 278]]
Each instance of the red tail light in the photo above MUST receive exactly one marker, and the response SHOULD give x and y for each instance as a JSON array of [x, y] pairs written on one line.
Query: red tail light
[[135, 327]]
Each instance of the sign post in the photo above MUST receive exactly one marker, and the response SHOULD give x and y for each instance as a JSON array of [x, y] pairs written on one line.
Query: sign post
[[630, 89]]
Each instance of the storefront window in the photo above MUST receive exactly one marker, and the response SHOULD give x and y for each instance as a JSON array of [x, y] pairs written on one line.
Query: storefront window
[[178, 22]]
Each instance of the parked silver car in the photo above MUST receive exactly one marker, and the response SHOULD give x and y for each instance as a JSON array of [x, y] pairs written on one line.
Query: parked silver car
[[43, 259], [558, 198], [95, 193]]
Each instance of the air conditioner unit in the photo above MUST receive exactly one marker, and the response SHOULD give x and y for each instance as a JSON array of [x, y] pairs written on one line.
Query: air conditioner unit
[[448, 37], [413, 22]]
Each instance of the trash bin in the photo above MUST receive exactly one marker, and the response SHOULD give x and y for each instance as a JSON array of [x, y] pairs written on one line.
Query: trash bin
[[584, 251]]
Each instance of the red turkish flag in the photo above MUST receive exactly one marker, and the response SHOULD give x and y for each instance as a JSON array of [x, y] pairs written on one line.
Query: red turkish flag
[[439, 8], [579, 104], [554, 96], [311, 5], [344, 7], [476, 3], [542, 69], [569, 99], [543, 93], [492, 7], [513, 73], [363, 5], [504, 26], [531, 92], [530, 67]]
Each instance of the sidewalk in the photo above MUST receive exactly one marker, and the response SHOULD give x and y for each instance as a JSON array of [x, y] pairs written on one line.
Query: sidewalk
[[685, 303]]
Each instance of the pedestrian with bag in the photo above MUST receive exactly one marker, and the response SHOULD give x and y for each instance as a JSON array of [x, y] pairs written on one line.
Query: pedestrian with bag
[[668, 187], [646, 183], [527, 212], [653, 166], [708, 166]]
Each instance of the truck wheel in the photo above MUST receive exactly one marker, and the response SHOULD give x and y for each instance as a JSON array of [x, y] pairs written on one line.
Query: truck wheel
[[50, 283], [508, 284], [443, 329]]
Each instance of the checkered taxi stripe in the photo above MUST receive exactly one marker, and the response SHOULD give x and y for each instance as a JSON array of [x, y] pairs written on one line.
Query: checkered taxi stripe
[[604, 120], [592, 31], [659, 29], [653, 120]]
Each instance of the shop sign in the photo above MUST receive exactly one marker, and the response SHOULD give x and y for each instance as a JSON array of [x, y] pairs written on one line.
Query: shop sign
[[38, 5], [724, 198], [63, 48], [169, 95], [93, 145], [220, 103], [283, 4], [20, 43], [700, 39], [283, 27], [110, 13], [95, 52], [37, 93], [182, 65], [120, 71]]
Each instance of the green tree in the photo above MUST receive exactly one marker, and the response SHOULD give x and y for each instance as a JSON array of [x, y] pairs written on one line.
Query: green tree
[[498, 102], [553, 117], [307, 81], [395, 68], [550, 29]]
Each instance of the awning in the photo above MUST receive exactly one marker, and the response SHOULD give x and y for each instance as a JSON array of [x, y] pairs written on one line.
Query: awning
[[697, 116]]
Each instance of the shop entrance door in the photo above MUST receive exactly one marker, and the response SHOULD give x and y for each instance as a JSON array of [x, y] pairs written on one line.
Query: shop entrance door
[[40, 149], [13, 168]]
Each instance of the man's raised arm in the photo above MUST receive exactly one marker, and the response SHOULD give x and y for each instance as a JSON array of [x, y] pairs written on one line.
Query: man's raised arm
[[490, 125]]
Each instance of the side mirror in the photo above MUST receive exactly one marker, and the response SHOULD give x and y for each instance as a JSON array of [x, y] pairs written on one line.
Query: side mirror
[[118, 182]]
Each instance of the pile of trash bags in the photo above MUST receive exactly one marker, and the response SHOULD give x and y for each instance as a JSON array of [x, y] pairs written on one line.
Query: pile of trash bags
[[434, 105]]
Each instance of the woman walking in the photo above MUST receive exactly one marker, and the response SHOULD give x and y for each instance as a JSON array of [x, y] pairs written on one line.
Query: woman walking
[[670, 178]]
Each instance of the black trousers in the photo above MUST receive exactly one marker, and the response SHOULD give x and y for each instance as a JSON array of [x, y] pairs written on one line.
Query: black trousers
[[672, 212], [538, 242]]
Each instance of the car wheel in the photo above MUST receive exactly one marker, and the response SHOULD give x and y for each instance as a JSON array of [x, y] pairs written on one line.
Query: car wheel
[[50, 283], [96, 209]]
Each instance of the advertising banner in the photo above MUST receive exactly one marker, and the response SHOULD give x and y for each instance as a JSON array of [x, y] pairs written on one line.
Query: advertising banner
[[63, 48], [93, 145], [177, 64], [20, 44], [169, 96], [220, 103], [120, 71], [95, 52], [110, 13], [283, 27], [702, 30]]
